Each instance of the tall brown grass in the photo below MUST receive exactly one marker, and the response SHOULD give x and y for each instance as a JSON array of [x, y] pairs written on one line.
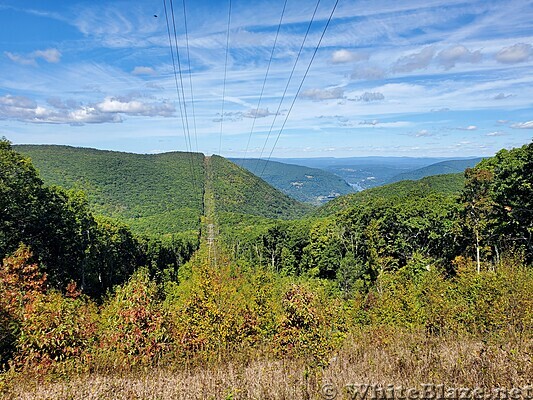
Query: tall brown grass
[[369, 356]]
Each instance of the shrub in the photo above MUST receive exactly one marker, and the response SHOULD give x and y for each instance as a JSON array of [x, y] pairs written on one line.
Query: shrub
[[131, 328], [55, 329]]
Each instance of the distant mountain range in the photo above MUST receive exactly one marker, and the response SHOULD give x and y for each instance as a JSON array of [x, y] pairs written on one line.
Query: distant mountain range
[[163, 193], [306, 184], [368, 172], [443, 167]]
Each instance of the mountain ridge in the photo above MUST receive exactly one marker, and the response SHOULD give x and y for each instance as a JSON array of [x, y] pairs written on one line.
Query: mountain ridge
[[310, 185]]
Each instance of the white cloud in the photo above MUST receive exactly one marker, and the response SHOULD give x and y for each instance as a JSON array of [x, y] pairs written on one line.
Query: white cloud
[[468, 128], [496, 133], [422, 133], [26, 110], [369, 96], [257, 113], [140, 70], [373, 122], [20, 59], [135, 107], [415, 61], [234, 116], [110, 110], [345, 56], [517, 53], [523, 125], [452, 55], [49, 55], [323, 94]]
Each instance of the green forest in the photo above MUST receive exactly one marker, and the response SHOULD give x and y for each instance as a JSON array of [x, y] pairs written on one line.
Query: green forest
[[120, 265]]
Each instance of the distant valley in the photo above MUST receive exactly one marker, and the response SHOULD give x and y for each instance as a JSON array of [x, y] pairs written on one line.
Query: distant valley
[[367, 172], [306, 184]]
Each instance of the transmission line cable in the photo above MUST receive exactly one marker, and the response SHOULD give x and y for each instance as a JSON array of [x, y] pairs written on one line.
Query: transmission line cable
[[225, 75], [286, 87], [301, 84], [266, 76], [177, 87], [191, 156], [190, 74]]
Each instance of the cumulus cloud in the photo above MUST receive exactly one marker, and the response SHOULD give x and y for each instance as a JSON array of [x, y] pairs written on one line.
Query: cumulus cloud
[[48, 55], [233, 116], [369, 96], [422, 133], [372, 96], [339, 120], [23, 109], [323, 94], [517, 53], [140, 70], [455, 54], [257, 113], [468, 128], [523, 125], [368, 73], [69, 112], [135, 107], [391, 124], [415, 61], [373, 122], [345, 56]]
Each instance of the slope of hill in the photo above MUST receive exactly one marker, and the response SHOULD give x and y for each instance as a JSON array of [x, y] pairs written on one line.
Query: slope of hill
[[310, 185], [442, 184], [239, 191], [366, 172], [153, 194], [440, 168]]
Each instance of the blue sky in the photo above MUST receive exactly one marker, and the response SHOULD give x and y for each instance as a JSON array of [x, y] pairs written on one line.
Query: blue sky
[[399, 78]]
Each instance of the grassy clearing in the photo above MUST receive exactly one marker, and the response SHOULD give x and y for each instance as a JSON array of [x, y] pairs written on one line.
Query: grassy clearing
[[368, 356]]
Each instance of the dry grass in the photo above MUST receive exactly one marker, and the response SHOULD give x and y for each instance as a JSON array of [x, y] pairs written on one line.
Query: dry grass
[[369, 356]]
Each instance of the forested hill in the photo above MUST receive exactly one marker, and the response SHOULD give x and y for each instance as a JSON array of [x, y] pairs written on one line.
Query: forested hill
[[438, 184], [440, 168], [239, 191], [152, 194], [158, 193], [310, 185]]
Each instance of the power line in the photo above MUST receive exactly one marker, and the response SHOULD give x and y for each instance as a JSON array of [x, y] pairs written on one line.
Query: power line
[[225, 75], [287, 86], [266, 76], [301, 83], [188, 133], [183, 92], [177, 86], [190, 74]]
